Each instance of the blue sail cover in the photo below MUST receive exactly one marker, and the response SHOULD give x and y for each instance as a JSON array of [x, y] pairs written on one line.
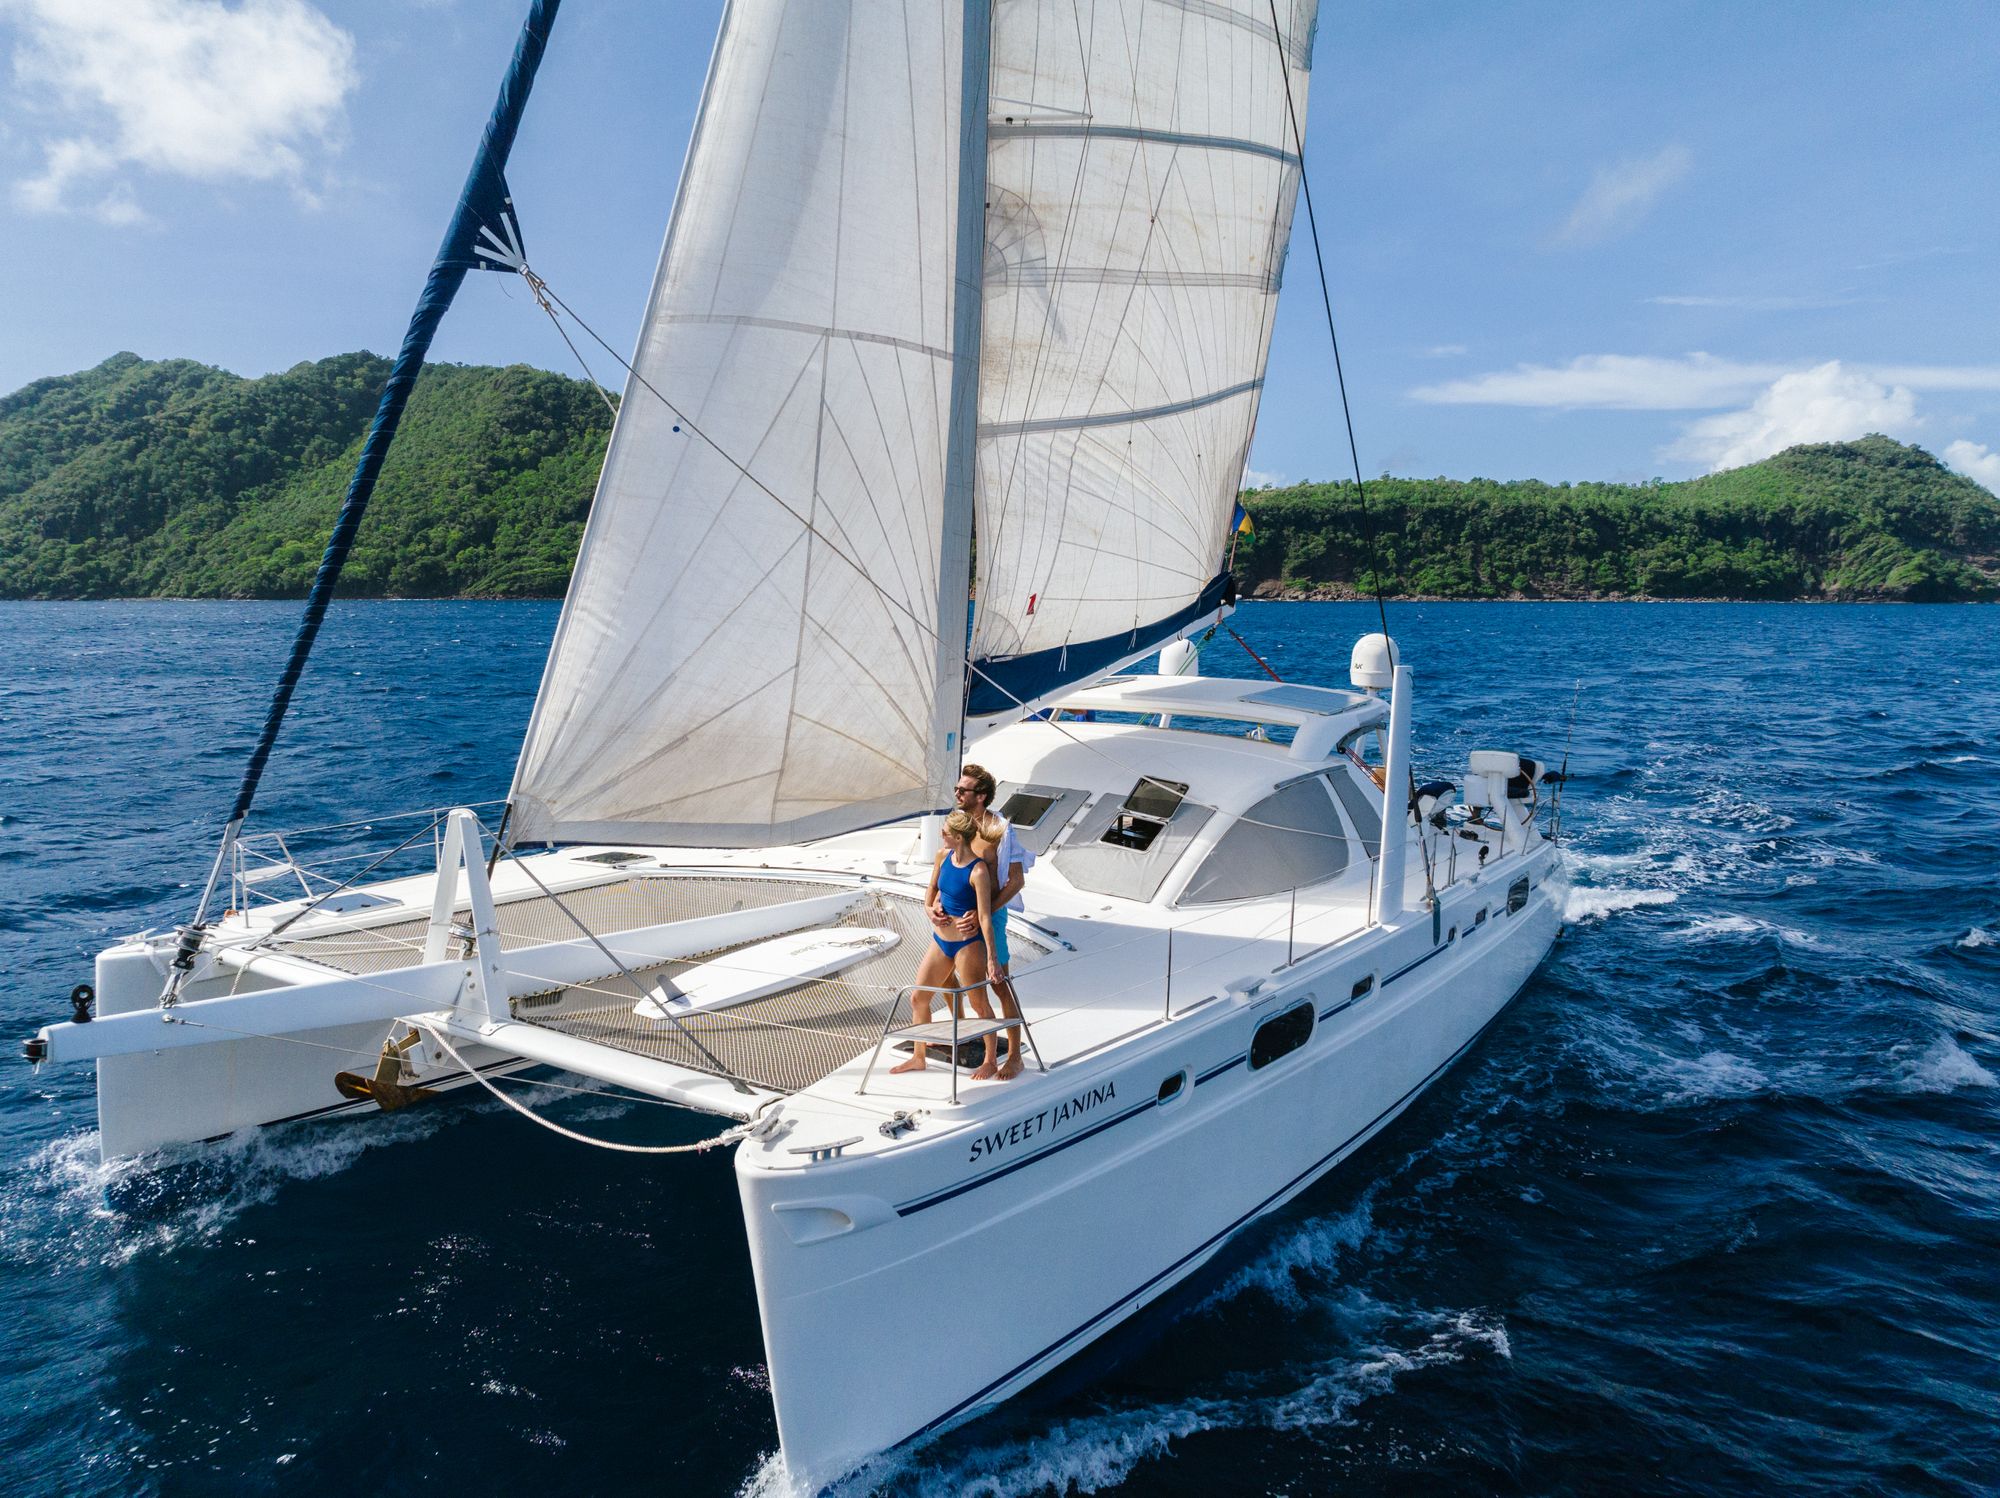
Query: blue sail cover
[[1004, 686]]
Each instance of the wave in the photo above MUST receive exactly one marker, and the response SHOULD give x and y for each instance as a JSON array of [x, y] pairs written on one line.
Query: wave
[[1977, 937], [1309, 1248], [1093, 1452], [1944, 1066], [64, 1202], [1590, 904], [1711, 928]]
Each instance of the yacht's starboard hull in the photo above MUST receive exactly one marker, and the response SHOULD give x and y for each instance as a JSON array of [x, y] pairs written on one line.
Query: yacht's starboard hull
[[1111, 1184]]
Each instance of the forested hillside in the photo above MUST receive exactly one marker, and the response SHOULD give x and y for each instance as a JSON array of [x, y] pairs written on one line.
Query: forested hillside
[[168, 478], [1865, 519]]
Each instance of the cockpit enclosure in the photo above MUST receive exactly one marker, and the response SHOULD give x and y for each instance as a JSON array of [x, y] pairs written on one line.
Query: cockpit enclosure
[[1291, 839], [1146, 797]]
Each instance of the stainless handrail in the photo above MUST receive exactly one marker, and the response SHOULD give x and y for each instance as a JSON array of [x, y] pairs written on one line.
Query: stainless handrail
[[910, 990]]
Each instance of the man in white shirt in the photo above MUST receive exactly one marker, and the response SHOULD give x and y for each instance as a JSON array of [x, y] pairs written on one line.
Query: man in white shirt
[[1010, 862]]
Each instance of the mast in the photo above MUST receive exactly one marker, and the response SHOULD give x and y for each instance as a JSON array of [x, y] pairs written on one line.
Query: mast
[[967, 313]]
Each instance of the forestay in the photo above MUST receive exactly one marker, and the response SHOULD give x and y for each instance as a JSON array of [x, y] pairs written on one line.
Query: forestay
[[1141, 174], [764, 637]]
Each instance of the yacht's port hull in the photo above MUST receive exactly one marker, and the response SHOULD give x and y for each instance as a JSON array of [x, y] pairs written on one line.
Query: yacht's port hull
[[1035, 1259]]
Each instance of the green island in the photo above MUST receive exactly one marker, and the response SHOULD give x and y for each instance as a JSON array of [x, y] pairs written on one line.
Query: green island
[[167, 478]]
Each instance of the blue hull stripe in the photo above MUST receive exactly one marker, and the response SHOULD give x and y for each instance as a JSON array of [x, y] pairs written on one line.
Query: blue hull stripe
[[1412, 967], [1119, 1304], [909, 1208], [1215, 1071]]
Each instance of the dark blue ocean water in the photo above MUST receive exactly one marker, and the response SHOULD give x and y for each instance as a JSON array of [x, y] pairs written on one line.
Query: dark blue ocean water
[[1715, 1209]]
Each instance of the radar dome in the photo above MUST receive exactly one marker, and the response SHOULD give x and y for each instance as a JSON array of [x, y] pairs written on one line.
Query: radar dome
[[1373, 665]]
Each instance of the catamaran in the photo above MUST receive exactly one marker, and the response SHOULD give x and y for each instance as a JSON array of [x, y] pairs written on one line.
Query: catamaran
[[935, 267]]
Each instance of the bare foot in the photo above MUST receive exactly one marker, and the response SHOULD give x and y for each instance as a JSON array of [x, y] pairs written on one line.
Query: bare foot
[[986, 1072], [915, 1063], [1011, 1070]]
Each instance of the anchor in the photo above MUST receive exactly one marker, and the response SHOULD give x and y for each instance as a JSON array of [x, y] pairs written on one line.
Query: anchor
[[386, 1089]]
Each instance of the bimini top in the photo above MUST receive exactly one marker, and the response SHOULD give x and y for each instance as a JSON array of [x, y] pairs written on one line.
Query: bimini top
[[1277, 704]]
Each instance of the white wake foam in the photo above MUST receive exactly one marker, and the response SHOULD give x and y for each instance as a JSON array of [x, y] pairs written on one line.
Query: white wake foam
[[1099, 1451], [1944, 1066], [1977, 937], [60, 1203], [1309, 1248], [1590, 904], [1710, 928]]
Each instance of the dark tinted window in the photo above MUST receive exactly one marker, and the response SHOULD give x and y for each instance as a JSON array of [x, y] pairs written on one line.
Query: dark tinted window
[[1144, 813], [1281, 1035], [1517, 895], [1026, 809]]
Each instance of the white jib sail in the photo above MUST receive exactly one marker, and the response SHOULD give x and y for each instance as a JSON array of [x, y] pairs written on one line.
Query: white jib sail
[[764, 637], [1140, 182]]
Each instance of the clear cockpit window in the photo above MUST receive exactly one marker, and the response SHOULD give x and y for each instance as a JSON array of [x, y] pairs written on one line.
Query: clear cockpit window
[[1291, 839]]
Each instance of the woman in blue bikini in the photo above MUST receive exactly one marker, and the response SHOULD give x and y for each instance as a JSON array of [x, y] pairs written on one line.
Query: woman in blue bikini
[[962, 882]]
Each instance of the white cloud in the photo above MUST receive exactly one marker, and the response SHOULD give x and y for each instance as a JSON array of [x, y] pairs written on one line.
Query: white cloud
[[1976, 461], [1755, 303], [1941, 376], [189, 88], [1623, 382], [1828, 403], [1694, 382], [1255, 478], [1445, 351], [1619, 196]]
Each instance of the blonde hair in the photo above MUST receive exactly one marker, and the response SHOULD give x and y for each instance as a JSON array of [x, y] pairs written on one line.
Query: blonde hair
[[962, 824]]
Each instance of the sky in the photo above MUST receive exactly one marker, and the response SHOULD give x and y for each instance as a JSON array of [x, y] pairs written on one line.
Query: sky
[[1564, 241]]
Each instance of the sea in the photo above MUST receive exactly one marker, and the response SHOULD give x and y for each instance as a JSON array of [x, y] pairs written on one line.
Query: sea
[[1714, 1208]]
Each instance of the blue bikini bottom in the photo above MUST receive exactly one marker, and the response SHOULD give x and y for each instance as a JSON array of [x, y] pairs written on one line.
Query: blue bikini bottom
[[953, 948]]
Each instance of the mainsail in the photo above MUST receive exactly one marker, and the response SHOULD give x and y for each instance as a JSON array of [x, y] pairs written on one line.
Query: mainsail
[[764, 637], [1140, 180], [1027, 249]]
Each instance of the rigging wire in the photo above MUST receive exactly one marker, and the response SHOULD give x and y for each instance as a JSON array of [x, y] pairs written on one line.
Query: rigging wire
[[1346, 411], [832, 545], [1326, 303]]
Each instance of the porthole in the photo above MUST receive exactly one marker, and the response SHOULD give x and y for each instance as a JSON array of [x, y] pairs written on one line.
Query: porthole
[[1280, 1035], [1517, 895], [1361, 986], [1480, 919], [1173, 1087]]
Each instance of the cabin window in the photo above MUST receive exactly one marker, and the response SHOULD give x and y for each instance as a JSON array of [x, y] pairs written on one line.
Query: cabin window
[[1144, 814], [1281, 1035], [1290, 839], [1126, 846], [1363, 804], [1038, 812], [1026, 808], [1361, 986], [1517, 895], [1480, 919], [1173, 1086]]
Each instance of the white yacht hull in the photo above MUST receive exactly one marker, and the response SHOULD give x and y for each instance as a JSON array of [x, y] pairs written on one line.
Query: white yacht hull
[[1032, 1260]]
